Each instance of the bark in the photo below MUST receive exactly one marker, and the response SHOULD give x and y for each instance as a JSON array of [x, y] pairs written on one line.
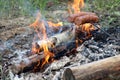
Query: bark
[[106, 69]]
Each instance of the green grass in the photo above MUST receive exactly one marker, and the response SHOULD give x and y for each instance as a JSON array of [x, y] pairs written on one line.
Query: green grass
[[15, 8], [108, 11]]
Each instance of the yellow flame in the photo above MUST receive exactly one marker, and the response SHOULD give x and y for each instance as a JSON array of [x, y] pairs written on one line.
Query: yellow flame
[[76, 5], [39, 25], [88, 27], [51, 24]]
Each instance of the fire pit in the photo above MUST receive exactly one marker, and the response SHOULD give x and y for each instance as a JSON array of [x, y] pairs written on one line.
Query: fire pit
[[58, 51]]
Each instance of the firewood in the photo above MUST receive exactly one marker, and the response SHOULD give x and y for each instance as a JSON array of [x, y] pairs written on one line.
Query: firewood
[[61, 38], [29, 63], [72, 17], [26, 63], [86, 19], [54, 44], [106, 69], [66, 36], [60, 44]]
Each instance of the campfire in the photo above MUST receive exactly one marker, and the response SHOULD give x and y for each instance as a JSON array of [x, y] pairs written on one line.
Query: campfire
[[52, 41], [55, 39], [52, 34]]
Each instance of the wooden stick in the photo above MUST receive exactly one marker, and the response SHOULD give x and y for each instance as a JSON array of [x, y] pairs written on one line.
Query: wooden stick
[[106, 69]]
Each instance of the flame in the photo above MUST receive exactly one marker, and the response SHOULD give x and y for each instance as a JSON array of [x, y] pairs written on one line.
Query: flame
[[40, 26], [51, 24], [47, 53], [76, 5], [88, 27], [35, 48]]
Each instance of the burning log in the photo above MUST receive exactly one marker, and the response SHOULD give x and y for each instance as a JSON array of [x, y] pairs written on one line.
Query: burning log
[[36, 60], [53, 41], [106, 69], [83, 17], [59, 45], [82, 33]]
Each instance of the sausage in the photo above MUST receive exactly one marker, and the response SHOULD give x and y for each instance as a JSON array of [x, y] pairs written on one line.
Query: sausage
[[86, 19], [72, 17]]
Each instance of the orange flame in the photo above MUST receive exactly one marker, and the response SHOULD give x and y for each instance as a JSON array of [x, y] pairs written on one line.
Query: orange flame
[[51, 24], [35, 49], [76, 5], [88, 27], [47, 53], [39, 25]]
